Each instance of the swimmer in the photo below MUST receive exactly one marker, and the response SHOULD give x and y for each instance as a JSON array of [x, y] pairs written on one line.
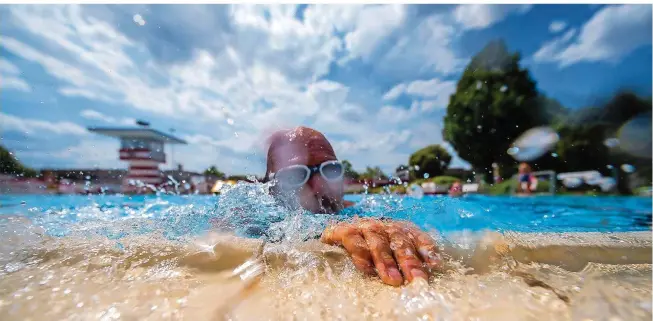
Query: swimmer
[[307, 173], [456, 189]]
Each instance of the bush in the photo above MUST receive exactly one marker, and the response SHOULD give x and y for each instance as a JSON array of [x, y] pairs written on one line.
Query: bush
[[507, 186], [397, 189], [445, 180], [503, 188]]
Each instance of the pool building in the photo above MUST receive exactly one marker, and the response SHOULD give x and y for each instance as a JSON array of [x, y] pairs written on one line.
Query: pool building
[[143, 149]]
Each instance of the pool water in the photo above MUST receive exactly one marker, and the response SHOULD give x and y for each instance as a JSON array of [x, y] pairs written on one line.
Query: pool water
[[195, 214], [171, 257]]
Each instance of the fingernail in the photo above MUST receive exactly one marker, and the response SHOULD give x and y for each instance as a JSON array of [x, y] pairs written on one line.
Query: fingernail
[[417, 273], [432, 257], [394, 274]]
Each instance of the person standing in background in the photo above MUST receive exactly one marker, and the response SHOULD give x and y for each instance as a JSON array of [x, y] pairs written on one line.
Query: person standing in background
[[496, 173], [526, 182]]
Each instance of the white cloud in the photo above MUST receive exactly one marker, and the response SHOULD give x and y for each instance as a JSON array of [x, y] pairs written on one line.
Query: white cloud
[[96, 115], [101, 153], [394, 92], [557, 26], [397, 115], [272, 35], [203, 151], [481, 16], [9, 77], [430, 133], [613, 32], [431, 88], [441, 103], [40, 127], [269, 74], [435, 91], [552, 48], [7, 68], [9, 82], [380, 144], [425, 49], [373, 25]]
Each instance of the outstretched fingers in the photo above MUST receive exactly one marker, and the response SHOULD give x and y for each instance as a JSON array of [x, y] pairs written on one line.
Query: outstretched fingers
[[384, 249], [427, 249], [404, 251], [349, 237], [379, 245]]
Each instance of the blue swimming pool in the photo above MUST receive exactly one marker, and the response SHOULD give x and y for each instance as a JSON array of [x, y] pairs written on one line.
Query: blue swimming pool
[[247, 211]]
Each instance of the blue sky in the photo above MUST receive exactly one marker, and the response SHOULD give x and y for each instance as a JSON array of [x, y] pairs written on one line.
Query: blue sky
[[375, 79]]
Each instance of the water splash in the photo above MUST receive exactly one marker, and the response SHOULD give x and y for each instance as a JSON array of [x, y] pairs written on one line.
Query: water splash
[[533, 143], [611, 142], [138, 19], [628, 168], [635, 136]]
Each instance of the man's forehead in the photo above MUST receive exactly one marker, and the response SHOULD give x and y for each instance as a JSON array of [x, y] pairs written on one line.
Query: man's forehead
[[297, 147]]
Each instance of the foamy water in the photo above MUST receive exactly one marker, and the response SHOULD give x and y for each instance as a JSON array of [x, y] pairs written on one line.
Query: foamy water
[[110, 266]]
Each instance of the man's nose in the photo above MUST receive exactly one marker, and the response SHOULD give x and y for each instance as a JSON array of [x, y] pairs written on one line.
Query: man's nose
[[317, 184]]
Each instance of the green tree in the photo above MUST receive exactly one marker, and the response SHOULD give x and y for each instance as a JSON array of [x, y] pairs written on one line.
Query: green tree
[[213, 171], [576, 145], [10, 165], [613, 113], [373, 173], [432, 160], [583, 138], [495, 101], [552, 111], [349, 170]]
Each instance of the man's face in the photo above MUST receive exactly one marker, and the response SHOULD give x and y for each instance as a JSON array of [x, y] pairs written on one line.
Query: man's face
[[304, 146]]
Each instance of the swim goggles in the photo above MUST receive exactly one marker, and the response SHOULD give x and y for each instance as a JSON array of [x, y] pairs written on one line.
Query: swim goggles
[[295, 176]]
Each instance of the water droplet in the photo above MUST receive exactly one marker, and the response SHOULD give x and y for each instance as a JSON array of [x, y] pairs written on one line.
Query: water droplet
[[138, 19], [504, 88], [628, 168], [230, 121], [479, 85], [554, 154], [479, 127], [572, 182], [416, 167], [609, 167], [513, 150], [236, 134], [426, 175], [534, 143], [611, 142]]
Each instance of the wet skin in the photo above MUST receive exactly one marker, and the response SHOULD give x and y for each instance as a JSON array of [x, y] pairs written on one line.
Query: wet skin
[[395, 251]]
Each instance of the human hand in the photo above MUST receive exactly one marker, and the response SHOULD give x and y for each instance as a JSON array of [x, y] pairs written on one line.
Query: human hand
[[386, 245]]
